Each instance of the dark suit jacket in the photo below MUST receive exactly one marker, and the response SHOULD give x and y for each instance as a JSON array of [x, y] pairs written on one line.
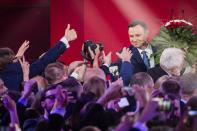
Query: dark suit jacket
[[136, 60], [156, 72], [137, 65], [12, 74]]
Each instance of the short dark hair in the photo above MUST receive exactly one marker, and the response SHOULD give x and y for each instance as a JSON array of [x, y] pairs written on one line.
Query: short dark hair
[[141, 78], [71, 84], [53, 72], [137, 22], [192, 103], [171, 86], [6, 57], [43, 93]]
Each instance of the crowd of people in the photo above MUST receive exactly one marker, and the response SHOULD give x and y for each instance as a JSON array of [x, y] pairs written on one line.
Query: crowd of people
[[130, 94]]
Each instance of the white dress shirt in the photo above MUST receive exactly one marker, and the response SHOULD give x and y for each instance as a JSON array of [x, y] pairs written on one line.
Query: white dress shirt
[[149, 52], [65, 41]]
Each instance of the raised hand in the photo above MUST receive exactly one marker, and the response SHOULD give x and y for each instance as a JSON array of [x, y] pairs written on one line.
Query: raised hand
[[8, 103], [25, 67], [61, 97], [125, 55], [151, 110], [28, 87], [22, 49], [106, 59], [113, 92], [140, 95], [92, 54], [70, 34]]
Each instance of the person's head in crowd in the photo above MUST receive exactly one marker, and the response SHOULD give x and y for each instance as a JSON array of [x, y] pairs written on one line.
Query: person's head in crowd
[[188, 121], [41, 82], [161, 128], [188, 84], [55, 73], [90, 128], [95, 85], [171, 88], [72, 85], [65, 66], [192, 103], [138, 33], [48, 98], [172, 61], [159, 82], [73, 65], [3, 88], [144, 80], [6, 57], [90, 72]]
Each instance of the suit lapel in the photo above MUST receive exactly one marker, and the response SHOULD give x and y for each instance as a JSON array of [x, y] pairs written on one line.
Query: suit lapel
[[136, 55]]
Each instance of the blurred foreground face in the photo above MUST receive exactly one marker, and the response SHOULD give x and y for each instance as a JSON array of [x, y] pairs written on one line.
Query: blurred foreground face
[[3, 88], [49, 101], [137, 36]]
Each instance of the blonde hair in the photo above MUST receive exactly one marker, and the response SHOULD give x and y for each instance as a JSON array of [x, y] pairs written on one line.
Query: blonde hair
[[95, 85]]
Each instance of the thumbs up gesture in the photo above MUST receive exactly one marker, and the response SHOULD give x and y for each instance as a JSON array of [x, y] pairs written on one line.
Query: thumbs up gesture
[[70, 34]]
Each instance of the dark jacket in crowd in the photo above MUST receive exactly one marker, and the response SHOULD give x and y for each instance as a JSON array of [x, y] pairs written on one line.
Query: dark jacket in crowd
[[12, 74]]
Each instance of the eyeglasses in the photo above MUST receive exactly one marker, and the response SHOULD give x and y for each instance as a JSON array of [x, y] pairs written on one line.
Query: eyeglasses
[[51, 97]]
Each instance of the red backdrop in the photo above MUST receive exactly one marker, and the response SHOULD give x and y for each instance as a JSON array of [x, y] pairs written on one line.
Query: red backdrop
[[22, 20], [106, 20]]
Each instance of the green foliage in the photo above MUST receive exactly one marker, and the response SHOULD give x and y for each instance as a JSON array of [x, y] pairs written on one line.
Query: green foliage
[[181, 37]]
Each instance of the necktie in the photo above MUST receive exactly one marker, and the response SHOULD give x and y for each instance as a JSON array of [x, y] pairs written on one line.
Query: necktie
[[145, 59]]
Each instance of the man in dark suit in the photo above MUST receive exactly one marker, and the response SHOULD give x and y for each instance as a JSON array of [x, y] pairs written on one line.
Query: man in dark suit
[[11, 72], [141, 50]]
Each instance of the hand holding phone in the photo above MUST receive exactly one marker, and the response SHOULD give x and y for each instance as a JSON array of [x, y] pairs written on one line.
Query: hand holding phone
[[123, 102]]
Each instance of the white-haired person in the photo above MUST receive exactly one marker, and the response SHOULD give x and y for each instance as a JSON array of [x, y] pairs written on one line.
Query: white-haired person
[[172, 62]]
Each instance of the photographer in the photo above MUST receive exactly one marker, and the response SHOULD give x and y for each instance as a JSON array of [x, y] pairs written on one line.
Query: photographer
[[94, 53]]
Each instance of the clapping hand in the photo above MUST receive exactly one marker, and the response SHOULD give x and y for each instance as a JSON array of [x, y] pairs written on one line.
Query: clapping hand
[[125, 55]]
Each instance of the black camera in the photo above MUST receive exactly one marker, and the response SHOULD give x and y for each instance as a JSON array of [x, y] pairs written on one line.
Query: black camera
[[85, 51]]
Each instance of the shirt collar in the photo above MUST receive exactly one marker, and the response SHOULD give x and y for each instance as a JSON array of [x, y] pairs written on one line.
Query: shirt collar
[[148, 49]]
